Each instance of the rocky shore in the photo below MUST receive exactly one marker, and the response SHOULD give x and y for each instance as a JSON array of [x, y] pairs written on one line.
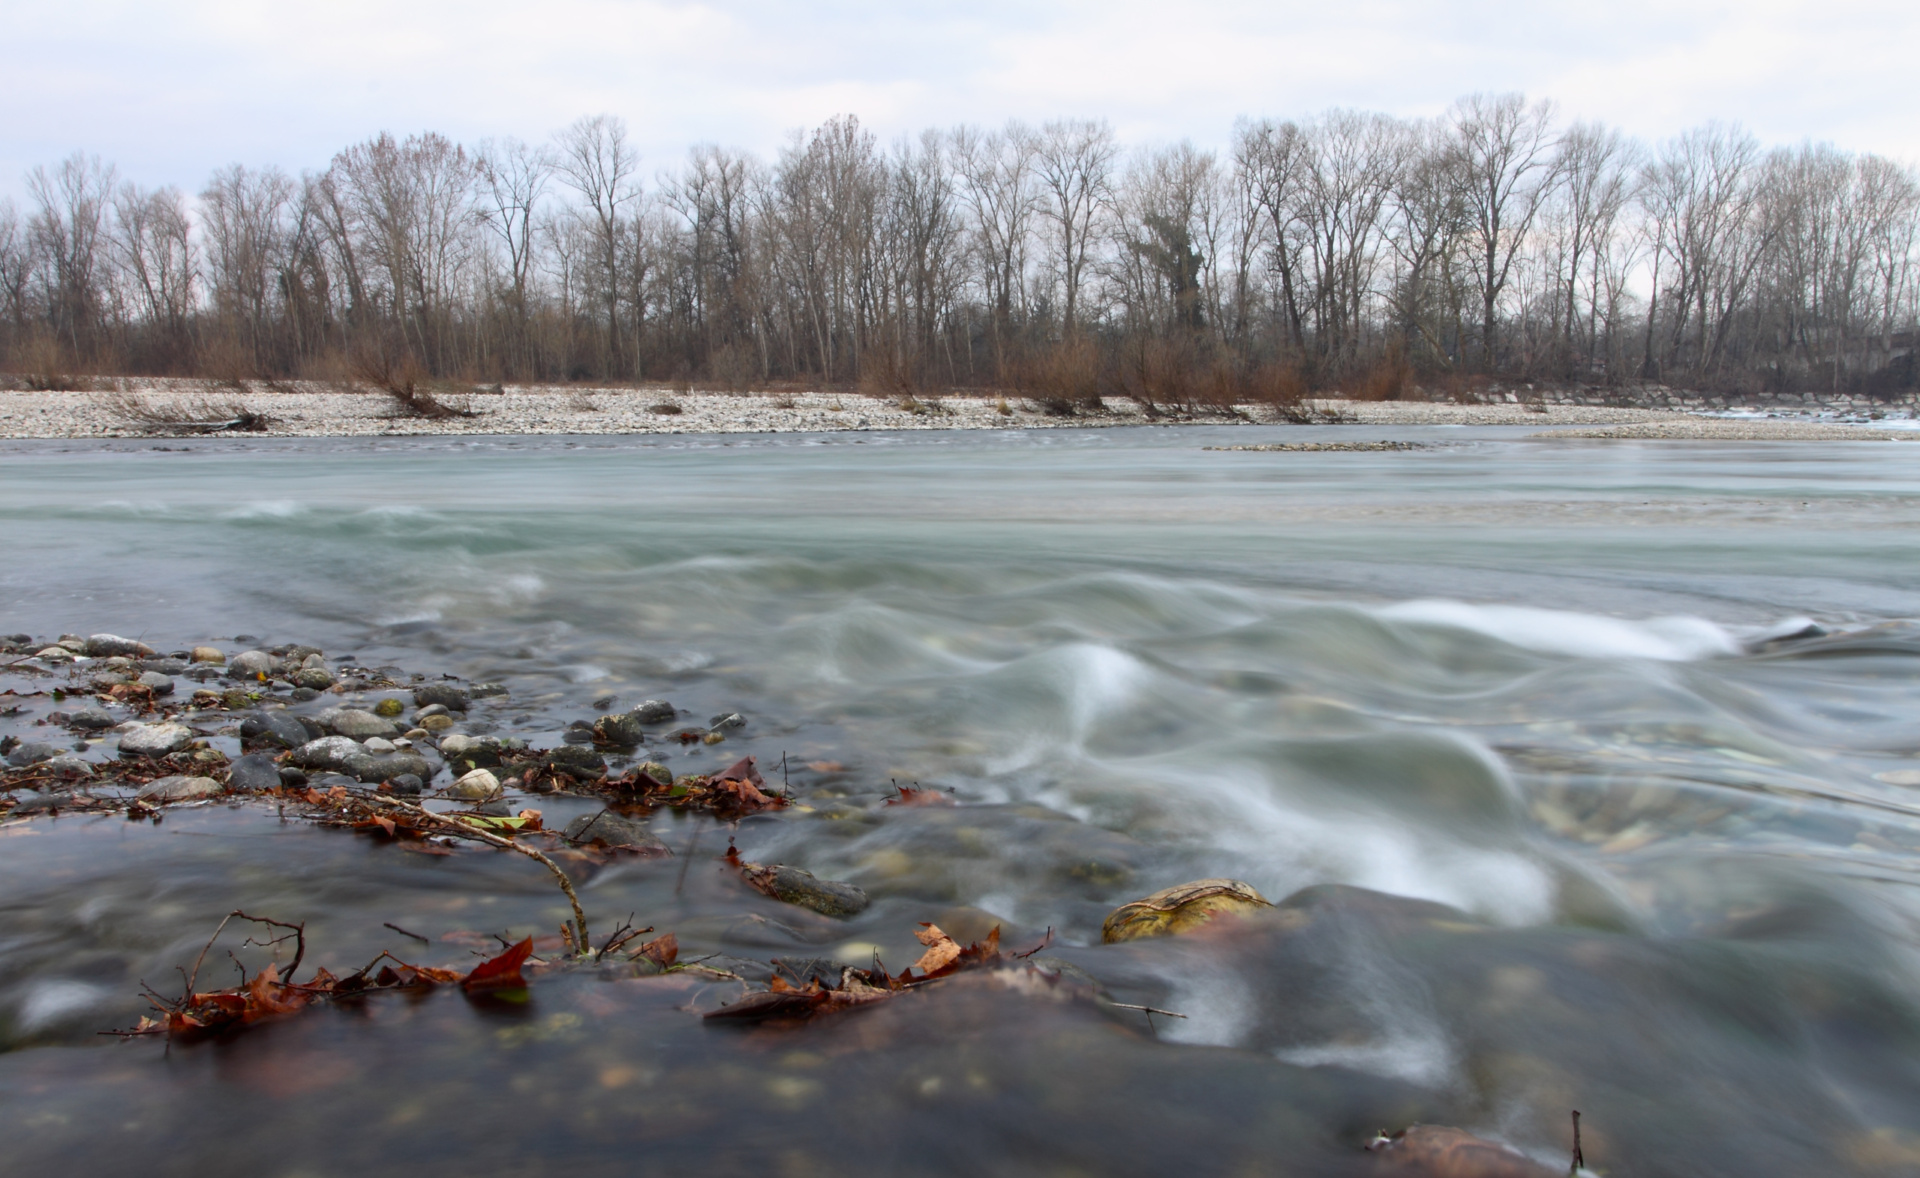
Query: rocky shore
[[149, 408]]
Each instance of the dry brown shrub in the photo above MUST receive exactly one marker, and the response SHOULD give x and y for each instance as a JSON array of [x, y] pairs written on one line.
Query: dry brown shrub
[[407, 384], [1386, 379], [1067, 374], [204, 416]]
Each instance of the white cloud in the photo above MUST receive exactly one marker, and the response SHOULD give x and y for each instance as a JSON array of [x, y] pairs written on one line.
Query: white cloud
[[171, 90]]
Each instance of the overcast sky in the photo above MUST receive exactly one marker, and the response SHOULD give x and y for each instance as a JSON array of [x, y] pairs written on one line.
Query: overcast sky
[[170, 89]]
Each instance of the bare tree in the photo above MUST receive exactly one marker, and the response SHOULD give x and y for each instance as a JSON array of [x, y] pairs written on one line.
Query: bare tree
[[1506, 150], [596, 161], [1074, 161], [67, 229]]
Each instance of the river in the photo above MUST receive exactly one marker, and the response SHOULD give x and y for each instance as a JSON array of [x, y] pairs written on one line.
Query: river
[[1563, 802]]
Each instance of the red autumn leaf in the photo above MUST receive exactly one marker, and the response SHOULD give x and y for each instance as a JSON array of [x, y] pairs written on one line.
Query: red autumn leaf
[[503, 970], [1435, 1151], [663, 951]]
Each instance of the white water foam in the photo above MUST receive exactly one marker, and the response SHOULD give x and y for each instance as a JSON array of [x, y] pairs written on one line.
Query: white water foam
[[1552, 631]]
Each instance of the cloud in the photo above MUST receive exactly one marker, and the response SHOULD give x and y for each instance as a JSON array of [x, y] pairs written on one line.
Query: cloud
[[170, 91]]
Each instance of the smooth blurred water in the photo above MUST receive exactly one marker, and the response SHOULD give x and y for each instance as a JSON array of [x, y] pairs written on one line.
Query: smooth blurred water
[[1555, 835]]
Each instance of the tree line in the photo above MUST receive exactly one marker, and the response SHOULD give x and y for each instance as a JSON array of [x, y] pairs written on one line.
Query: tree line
[[1350, 250]]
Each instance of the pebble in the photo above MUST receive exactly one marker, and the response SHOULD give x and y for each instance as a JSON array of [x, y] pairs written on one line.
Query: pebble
[[208, 654], [453, 744], [67, 766], [375, 744], [653, 711], [444, 694], [153, 740], [156, 682], [728, 721], [32, 754], [178, 789], [658, 772], [253, 773], [250, 664], [166, 666], [407, 784], [313, 678], [301, 695], [576, 761], [102, 646], [356, 723], [436, 723], [91, 718], [620, 729], [615, 830], [389, 707], [329, 752], [478, 786], [276, 728], [30, 801], [55, 654]]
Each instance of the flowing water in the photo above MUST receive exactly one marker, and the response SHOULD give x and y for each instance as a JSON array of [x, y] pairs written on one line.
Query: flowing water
[[1552, 822]]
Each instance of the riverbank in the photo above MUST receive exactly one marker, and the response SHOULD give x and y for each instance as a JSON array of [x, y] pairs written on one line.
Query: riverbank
[[142, 409]]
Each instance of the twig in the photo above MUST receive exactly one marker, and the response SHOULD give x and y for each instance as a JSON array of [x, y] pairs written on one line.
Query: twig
[[195, 975], [403, 932], [1579, 1159], [688, 860], [454, 826], [1148, 1009], [299, 934]]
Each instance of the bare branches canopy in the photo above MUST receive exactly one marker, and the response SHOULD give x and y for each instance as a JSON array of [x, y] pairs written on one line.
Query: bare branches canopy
[[1344, 249]]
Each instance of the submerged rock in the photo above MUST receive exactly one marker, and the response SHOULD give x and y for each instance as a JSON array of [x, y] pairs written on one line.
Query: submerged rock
[[253, 773], [1180, 909], [207, 654], [615, 830], [621, 729], [389, 708], [155, 682], [153, 740], [91, 719], [314, 678], [728, 721], [179, 789], [407, 784], [792, 885]]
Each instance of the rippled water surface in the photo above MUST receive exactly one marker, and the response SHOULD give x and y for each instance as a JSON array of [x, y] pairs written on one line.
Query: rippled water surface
[[1553, 823]]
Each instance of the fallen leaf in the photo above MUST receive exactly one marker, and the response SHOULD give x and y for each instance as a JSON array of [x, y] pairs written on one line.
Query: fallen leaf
[[942, 950], [503, 970], [911, 796]]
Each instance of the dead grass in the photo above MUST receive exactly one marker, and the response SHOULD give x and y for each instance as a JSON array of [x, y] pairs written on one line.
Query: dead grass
[[203, 416]]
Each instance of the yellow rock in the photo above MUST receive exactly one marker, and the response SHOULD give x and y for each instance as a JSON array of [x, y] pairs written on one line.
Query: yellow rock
[[208, 654], [1180, 909]]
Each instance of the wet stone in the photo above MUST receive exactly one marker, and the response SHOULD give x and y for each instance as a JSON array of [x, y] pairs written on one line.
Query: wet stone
[[445, 694], [356, 723], [274, 728], [1180, 909], [653, 711], [313, 678], [389, 708], [796, 886], [168, 666], [614, 830], [32, 754], [480, 785], [576, 761], [155, 682], [102, 646], [253, 773], [303, 694], [208, 654], [406, 784], [154, 740], [179, 789], [620, 729], [91, 720], [727, 722], [250, 664], [29, 801], [67, 767]]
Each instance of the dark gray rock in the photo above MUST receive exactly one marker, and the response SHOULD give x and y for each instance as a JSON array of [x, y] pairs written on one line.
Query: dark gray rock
[[250, 664], [576, 761], [313, 678], [653, 711], [407, 784], [91, 719], [32, 754], [727, 721], [274, 728], [329, 752], [395, 765], [67, 767], [621, 730], [615, 830], [301, 695], [486, 690], [167, 666], [253, 773], [292, 778], [28, 801], [454, 699]]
